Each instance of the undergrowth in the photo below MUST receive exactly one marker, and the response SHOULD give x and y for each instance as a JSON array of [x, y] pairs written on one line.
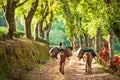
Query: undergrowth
[[5, 36], [19, 56]]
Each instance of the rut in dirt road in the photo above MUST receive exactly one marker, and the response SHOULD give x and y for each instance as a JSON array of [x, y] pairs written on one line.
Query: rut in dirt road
[[74, 70]]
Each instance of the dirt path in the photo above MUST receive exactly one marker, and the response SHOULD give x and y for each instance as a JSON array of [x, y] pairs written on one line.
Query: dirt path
[[74, 70]]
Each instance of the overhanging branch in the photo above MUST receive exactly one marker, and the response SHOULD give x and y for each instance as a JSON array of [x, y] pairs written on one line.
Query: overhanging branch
[[21, 3]]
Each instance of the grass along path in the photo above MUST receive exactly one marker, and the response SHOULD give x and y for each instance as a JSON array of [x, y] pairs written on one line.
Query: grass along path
[[74, 70]]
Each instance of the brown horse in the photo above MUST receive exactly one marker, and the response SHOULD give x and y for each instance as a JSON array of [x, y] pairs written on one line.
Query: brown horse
[[63, 57], [87, 58], [63, 54]]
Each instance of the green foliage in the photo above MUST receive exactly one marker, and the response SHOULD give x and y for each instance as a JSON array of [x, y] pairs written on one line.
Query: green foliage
[[19, 24], [2, 19], [23, 10], [57, 33], [1, 3], [43, 41], [19, 34], [4, 36], [86, 16], [116, 47]]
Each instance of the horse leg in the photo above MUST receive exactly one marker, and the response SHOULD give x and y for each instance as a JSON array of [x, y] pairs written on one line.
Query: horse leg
[[63, 64], [91, 66], [86, 65], [63, 68], [86, 69], [90, 70], [60, 68]]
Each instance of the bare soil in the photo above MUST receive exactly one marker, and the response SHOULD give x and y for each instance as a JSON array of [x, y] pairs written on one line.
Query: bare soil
[[74, 70]]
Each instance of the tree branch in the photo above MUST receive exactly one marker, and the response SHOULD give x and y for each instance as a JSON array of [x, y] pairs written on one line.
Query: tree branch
[[20, 4]]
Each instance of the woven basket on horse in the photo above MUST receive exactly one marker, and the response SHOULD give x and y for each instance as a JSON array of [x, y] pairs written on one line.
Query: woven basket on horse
[[68, 52], [53, 52], [81, 51]]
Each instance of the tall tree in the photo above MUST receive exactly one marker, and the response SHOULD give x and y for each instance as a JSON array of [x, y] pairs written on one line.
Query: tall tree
[[43, 11], [28, 19], [111, 46], [48, 27], [9, 10]]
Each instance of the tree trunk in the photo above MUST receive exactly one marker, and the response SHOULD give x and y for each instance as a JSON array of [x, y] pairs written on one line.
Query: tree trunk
[[98, 40], [41, 31], [73, 41], [86, 40], [111, 46], [9, 11], [81, 43], [90, 42], [93, 42], [28, 28], [36, 32], [28, 19], [47, 30], [47, 36]]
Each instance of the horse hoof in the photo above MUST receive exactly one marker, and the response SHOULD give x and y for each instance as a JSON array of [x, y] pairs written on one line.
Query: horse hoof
[[62, 72]]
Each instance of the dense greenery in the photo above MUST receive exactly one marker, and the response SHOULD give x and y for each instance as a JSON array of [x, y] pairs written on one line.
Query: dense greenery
[[81, 17]]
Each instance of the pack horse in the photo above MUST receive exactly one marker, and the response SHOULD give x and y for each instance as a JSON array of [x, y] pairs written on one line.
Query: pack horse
[[63, 53], [87, 54]]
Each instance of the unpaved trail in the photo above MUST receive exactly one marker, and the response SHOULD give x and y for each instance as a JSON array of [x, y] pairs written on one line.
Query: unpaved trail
[[74, 70]]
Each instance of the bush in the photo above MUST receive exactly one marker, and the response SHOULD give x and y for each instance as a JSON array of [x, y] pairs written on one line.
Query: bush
[[4, 35], [19, 34], [105, 55], [115, 65], [20, 56], [43, 40]]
